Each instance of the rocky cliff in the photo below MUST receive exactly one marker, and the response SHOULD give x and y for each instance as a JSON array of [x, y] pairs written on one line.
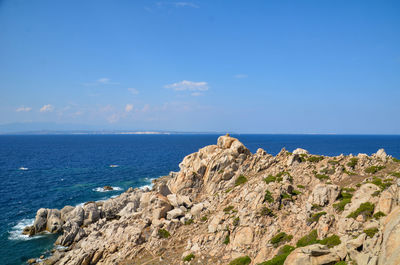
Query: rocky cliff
[[228, 206]]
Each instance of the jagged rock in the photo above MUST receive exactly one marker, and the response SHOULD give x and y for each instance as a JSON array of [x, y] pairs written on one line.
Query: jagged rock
[[385, 203], [92, 214], [177, 212], [72, 233], [243, 236], [108, 188], [197, 208], [324, 194], [177, 200], [381, 154], [40, 220], [390, 252], [312, 255], [362, 195]]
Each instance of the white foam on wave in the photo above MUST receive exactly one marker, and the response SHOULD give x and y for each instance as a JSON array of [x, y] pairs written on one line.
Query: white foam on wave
[[101, 189], [16, 231], [114, 165], [23, 168], [150, 185]]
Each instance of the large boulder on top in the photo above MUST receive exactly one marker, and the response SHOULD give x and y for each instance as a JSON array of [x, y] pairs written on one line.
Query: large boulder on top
[[324, 194]]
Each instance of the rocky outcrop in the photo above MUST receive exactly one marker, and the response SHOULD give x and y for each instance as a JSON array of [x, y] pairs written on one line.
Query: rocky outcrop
[[226, 203]]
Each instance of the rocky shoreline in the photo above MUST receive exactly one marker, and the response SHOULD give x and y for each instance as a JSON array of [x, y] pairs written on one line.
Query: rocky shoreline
[[228, 206]]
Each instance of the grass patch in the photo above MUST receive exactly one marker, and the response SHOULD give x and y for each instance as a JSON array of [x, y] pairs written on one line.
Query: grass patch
[[278, 177], [228, 190], [227, 239], [349, 172], [189, 222], [316, 207], [162, 233], [327, 171], [204, 218], [228, 209], [240, 180], [301, 187], [268, 197], [330, 241], [315, 217], [353, 162], [241, 261], [280, 258], [373, 169], [280, 238], [340, 205], [371, 232], [365, 209], [315, 159], [395, 174], [307, 240], [381, 184], [265, 211], [341, 263], [296, 192], [333, 162], [396, 160], [189, 257], [378, 215], [321, 176], [236, 221]]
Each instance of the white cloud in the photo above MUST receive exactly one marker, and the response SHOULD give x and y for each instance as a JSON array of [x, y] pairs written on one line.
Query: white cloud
[[188, 85], [185, 4], [146, 108], [134, 91], [25, 109], [113, 118], [129, 107], [196, 94], [101, 81], [47, 108], [241, 76]]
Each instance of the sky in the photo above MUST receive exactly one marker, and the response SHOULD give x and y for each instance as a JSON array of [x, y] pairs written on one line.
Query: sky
[[201, 66]]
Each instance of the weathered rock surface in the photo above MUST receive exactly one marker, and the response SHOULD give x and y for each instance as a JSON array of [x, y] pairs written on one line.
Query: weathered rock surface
[[225, 203]]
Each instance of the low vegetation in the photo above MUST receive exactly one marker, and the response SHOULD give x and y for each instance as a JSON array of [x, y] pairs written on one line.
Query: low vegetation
[[371, 232], [162, 233], [378, 215], [315, 159], [280, 238], [307, 240], [280, 258], [228, 209], [321, 176], [315, 217], [189, 257], [330, 241], [353, 162], [365, 209], [265, 211], [240, 180], [268, 197], [241, 261], [278, 177], [373, 169]]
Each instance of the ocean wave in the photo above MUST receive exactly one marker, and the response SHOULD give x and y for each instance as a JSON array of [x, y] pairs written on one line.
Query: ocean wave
[[101, 189], [23, 168], [16, 231]]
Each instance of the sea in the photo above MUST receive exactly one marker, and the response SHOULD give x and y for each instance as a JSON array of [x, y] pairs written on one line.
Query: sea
[[52, 171]]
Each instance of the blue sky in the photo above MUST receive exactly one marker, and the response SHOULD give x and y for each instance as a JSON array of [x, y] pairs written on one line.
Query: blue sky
[[236, 66]]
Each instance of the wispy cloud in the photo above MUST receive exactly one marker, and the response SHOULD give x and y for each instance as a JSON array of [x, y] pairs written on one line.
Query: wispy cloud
[[134, 91], [102, 81], [241, 76], [188, 85], [47, 108], [196, 94], [185, 4], [24, 109], [129, 107]]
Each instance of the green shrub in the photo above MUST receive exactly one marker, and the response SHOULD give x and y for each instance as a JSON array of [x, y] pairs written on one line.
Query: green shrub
[[316, 207], [204, 219], [333, 162], [241, 261], [296, 192], [358, 185], [341, 263], [395, 174], [371, 232], [228, 190], [328, 171], [348, 189], [278, 177], [265, 211], [240, 180], [349, 172], [284, 195], [280, 258], [378, 215], [270, 179], [396, 160], [162, 233], [321, 176], [189, 222], [340, 205], [315, 217], [353, 162], [378, 182], [365, 209], [373, 169], [189, 257], [236, 221], [280, 238], [309, 239], [301, 187], [330, 241], [315, 159], [227, 239], [286, 249], [345, 195], [268, 197], [228, 209], [376, 193]]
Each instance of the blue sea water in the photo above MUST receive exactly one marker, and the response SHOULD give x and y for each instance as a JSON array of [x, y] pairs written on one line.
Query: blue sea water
[[71, 169]]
